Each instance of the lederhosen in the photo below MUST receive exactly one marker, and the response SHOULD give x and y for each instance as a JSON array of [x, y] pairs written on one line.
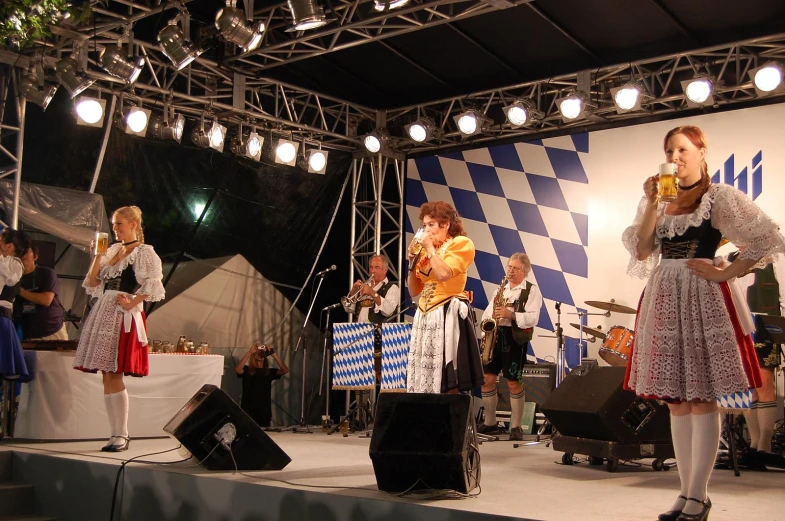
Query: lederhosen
[[764, 297], [509, 353], [378, 318]]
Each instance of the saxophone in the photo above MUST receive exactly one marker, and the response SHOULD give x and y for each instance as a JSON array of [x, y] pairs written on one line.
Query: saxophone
[[488, 326]]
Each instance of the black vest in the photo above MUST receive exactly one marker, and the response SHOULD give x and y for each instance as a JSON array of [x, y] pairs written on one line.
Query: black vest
[[126, 281], [373, 315], [764, 295], [522, 336]]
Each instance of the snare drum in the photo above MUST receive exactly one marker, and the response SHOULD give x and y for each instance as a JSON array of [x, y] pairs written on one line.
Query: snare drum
[[617, 346]]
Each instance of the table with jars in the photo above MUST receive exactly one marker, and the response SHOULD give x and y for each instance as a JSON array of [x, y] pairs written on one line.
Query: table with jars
[[63, 403]]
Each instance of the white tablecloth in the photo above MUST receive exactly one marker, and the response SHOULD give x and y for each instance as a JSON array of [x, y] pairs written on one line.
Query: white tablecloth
[[63, 403]]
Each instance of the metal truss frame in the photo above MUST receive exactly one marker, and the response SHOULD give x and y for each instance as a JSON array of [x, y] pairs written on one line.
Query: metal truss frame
[[12, 125], [377, 220]]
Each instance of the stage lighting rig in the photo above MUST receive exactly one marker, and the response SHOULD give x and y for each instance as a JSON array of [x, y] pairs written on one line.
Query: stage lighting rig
[[136, 120], [376, 141], [699, 90], [521, 113], [39, 93], [767, 79], [167, 126], [472, 122], [628, 97], [306, 14], [248, 144], [317, 161], [90, 111], [67, 72], [213, 138], [175, 44], [286, 152], [381, 5], [423, 130], [230, 22], [573, 106], [113, 61]]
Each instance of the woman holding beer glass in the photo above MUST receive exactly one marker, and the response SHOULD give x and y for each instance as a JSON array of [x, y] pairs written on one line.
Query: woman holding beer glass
[[692, 340], [443, 351], [114, 335]]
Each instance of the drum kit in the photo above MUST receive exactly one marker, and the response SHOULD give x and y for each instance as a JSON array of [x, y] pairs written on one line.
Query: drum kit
[[617, 341]]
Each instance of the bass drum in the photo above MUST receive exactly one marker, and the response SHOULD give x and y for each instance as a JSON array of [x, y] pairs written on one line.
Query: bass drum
[[617, 346]]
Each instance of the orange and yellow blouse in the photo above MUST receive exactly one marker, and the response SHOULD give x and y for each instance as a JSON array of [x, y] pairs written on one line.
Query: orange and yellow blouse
[[457, 253]]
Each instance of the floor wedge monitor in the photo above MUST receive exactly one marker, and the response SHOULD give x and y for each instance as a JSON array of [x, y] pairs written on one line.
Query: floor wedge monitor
[[221, 436], [425, 441]]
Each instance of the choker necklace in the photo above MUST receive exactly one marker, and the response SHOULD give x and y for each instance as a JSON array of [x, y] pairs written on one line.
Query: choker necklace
[[693, 185], [130, 243]]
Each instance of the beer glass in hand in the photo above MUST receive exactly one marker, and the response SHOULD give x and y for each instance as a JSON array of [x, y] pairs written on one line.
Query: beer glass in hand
[[101, 243], [669, 183]]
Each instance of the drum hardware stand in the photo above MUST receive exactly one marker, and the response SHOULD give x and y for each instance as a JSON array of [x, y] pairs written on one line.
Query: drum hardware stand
[[302, 426]]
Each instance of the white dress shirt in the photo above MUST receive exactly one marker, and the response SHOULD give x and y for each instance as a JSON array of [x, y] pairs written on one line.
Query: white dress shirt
[[388, 305], [525, 319]]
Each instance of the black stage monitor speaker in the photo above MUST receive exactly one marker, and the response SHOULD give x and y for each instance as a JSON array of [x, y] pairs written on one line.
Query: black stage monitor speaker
[[592, 404], [425, 441], [222, 436]]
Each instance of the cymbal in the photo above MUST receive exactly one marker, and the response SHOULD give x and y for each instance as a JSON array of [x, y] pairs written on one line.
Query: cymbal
[[590, 331], [611, 306]]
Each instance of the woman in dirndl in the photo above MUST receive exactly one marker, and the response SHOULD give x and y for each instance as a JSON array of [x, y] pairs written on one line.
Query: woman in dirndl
[[443, 352], [692, 336], [13, 245], [114, 336]]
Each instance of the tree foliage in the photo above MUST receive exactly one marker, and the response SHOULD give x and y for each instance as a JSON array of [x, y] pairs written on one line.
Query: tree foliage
[[23, 22]]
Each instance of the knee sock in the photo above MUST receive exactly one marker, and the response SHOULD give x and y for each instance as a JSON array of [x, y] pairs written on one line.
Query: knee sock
[[110, 414], [767, 413], [516, 407], [705, 442], [120, 405], [681, 433], [753, 425], [489, 401]]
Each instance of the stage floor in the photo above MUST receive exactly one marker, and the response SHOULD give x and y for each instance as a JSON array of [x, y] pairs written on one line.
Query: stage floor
[[528, 482]]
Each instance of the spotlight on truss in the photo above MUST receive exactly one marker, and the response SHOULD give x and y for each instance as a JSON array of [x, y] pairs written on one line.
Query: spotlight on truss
[[422, 130], [573, 106], [67, 72], [521, 113], [231, 23], [213, 138], [39, 94], [317, 161], [699, 90], [628, 97], [113, 61], [162, 127], [767, 79], [381, 5], [137, 120], [90, 111], [306, 14], [174, 44], [471, 122], [286, 152], [375, 141], [248, 145]]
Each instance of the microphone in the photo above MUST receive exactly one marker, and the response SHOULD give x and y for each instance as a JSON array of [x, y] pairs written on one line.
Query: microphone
[[327, 270], [328, 308]]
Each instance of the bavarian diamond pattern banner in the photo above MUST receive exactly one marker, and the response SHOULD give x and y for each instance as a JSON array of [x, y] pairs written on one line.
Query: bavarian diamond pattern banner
[[736, 400], [353, 356], [395, 355]]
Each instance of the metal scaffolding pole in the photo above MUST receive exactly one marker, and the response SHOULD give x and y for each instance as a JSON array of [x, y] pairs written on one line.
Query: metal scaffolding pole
[[9, 86]]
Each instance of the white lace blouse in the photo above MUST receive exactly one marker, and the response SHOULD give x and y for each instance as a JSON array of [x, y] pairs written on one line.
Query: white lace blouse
[[147, 269]]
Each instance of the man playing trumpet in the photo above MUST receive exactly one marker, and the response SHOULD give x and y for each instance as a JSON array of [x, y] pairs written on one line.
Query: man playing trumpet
[[516, 314], [376, 299]]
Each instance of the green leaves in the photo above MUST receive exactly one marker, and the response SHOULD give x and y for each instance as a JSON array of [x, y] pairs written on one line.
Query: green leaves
[[22, 22]]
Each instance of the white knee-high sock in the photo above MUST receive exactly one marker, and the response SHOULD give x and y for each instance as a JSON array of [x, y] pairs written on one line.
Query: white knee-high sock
[[681, 434], [110, 414], [767, 414], [753, 424], [120, 404], [516, 407], [489, 401], [705, 442]]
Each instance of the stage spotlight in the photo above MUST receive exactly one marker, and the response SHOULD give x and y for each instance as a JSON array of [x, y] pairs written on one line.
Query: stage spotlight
[[67, 72], [161, 129], [176, 46], [573, 106], [90, 111], [521, 113], [628, 97], [112, 59], [306, 14], [38, 95], [317, 161], [471, 122], [698, 91], [286, 152], [381, 5], [375, 141], [767, 78], [213, 138], [136, 121], [249, 146], [423, 130], [230, 22]]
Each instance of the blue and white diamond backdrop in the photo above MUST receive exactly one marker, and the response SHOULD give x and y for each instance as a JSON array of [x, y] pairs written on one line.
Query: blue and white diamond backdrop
[[395, 356], [565, 201], [353, 356]]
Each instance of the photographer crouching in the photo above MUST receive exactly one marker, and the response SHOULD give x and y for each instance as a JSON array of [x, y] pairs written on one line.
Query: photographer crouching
[[257, 377]]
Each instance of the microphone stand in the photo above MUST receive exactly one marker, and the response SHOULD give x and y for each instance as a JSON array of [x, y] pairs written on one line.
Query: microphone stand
[[302, 423], [326, 356]]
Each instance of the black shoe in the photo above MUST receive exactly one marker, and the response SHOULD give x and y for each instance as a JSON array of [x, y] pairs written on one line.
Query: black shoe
[[516, 434], [109, 443], [703, 515], [670, 515], [121, 443], [488, 429]]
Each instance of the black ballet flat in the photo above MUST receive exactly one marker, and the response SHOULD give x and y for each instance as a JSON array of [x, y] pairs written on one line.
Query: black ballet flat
[[119, 447], [703, 515], [671, 515], [109, 443]]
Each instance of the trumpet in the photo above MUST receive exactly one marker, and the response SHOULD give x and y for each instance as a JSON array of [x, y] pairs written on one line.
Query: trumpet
[[356, 297]]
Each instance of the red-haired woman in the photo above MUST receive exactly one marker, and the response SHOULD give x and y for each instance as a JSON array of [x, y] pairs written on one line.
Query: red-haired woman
[[692, 340], [443, 353]]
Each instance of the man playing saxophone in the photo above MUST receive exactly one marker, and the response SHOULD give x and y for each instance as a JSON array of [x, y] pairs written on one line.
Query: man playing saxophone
[[516, 311]]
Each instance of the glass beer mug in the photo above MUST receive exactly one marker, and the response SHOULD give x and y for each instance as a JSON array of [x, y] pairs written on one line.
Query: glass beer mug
[[101, 243], [669, 183]]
